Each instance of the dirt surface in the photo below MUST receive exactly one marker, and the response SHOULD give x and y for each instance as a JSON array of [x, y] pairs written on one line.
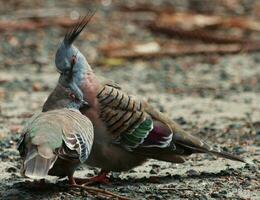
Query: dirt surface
[[214, 97]]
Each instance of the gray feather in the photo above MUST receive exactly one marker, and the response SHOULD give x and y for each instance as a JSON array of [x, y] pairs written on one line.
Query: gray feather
[[35, 166]]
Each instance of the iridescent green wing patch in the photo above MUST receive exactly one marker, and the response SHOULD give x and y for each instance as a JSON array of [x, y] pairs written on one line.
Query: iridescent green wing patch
[[138, 135]]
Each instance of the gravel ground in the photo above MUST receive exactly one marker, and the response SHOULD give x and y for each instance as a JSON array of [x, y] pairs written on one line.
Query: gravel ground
[[214, 97]]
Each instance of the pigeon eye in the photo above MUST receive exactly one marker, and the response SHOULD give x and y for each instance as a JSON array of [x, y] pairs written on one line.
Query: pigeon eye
[[73, 60], [72, 96]]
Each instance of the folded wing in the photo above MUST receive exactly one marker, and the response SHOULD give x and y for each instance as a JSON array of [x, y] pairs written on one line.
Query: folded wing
[[64, 133]]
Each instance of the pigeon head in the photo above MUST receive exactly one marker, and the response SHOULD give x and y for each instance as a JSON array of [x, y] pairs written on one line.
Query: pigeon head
[[69, 60], [65, 97], [73, 100]]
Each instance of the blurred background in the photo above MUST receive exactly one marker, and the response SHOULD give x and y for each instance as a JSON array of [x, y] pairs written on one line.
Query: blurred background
[[196, 60]]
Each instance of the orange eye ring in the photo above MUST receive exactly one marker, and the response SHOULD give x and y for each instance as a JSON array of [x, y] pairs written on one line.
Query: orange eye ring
[[73, 60], [72, 96]]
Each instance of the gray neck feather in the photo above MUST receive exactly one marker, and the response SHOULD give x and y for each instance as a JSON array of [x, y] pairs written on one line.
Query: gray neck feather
[[80, 73]]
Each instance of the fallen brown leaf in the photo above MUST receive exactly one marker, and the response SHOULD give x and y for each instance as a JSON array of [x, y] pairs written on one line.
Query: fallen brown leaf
[[193, 21], [2, 93], [25, 115], [36, 87], [154, 50], [202, 35], [29, 25], [15, 128]]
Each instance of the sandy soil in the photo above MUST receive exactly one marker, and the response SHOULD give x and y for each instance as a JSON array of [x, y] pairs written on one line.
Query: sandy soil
[[214, 97]]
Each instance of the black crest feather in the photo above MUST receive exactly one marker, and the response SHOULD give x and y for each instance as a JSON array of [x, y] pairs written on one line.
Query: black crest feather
[[72, 34]]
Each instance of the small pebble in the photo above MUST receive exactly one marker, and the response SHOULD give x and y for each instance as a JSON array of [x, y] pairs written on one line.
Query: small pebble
[[216, 195], [192, 172], [11, 169]]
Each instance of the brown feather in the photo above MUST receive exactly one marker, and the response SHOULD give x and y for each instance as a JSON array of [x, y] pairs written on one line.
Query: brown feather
[[120, 112]]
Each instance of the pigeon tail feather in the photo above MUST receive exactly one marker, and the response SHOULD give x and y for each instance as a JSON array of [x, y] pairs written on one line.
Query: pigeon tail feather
[[35, 166], [227, 155], [215, 152]]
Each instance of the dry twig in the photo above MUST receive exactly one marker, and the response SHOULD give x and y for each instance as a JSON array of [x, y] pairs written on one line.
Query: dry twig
[[100, 192]]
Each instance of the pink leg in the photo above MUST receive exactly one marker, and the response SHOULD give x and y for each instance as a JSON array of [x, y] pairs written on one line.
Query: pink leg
[[100, 178], [72, 180]]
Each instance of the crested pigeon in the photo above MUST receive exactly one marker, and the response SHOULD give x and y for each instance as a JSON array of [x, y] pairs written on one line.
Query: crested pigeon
[[127, 131], [57, 141]]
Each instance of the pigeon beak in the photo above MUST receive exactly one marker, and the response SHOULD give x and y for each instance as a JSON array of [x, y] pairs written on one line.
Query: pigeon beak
[[84, 103], [59, 71]]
